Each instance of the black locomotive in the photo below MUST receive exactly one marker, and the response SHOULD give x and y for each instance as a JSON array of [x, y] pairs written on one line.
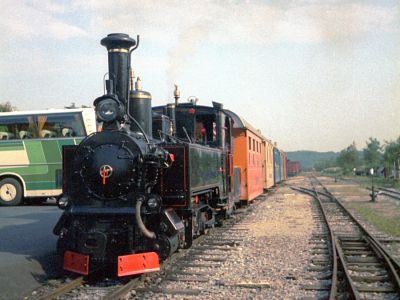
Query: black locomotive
[[146, 184]]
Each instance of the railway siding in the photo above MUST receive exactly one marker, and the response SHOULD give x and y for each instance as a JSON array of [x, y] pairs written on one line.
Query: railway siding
[[357, 252]]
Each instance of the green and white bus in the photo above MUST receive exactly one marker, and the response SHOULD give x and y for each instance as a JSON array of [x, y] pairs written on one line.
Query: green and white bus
[[31, 150]]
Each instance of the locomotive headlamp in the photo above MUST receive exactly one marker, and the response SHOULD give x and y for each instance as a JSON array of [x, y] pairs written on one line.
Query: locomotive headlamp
[[63, 202], [153, 202], [108, 109]]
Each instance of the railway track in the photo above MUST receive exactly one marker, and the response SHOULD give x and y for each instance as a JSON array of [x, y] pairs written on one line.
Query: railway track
[[348, 261], [191, 275], [390, 192], [188, 267]]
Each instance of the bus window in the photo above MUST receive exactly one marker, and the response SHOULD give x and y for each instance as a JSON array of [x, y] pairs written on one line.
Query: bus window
[[14, 127], [60, 125]]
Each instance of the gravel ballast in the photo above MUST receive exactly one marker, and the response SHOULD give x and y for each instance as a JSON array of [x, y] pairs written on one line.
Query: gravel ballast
[[271, 259]]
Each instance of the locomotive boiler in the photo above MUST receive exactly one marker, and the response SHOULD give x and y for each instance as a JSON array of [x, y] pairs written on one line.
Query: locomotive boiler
[[149, 182]]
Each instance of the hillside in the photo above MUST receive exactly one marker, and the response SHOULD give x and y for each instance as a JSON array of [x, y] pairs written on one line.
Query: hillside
[[307, 159]]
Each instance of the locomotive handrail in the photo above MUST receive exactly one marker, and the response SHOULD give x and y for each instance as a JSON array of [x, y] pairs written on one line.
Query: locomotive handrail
[[137, 44]]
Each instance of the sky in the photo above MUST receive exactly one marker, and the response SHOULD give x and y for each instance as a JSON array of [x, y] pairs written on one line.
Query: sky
[[311, 75]]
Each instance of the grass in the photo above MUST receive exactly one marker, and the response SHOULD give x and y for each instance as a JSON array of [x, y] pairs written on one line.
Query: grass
[[366, 181], [385, 219]]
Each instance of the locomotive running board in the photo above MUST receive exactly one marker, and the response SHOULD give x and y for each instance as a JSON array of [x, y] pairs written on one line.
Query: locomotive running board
[[76, 262], [133, 264]]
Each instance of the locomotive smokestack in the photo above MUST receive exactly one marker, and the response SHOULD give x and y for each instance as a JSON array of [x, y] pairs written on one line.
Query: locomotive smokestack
[[118, 46]]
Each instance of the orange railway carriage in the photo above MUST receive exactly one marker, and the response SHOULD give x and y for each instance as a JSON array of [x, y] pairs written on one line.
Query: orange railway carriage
[[248, 158], [269, 164]]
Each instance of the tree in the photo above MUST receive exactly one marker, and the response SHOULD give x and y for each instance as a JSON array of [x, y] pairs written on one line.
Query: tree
[[4, 107], [372, 153], [349, 158], [324, 164], [391, 157]]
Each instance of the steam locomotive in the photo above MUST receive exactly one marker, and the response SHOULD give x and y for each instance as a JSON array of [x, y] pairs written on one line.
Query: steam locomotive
[[149, 182]]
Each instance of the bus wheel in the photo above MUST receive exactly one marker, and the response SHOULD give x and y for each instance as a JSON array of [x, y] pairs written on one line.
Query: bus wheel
[[10, 192]]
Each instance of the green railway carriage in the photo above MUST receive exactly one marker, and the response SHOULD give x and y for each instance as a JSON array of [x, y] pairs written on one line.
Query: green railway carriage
[[31, 149]]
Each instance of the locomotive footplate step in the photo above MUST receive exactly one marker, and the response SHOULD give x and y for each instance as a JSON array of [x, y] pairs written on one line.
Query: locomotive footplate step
[[133, 264], [76, 262]]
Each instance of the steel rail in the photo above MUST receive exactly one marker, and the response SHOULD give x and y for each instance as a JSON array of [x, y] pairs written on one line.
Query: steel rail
[[121, 292], [351, 287], [391, 193], [395, 264], [167, 265], [391, 264], [64, 288], [332, 250]]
